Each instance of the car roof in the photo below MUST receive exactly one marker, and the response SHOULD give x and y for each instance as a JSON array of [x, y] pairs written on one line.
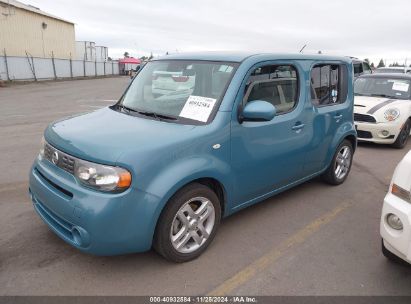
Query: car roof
[[388, 75], [241, 56], [394, 68], [356, 60]]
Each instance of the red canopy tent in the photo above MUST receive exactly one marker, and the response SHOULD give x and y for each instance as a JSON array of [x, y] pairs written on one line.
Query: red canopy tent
[[128, 64], [130, 60]]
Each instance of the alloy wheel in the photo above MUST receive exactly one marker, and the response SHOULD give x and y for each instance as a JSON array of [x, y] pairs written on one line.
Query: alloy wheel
[[342, 162], [405, 133], [192, 225]]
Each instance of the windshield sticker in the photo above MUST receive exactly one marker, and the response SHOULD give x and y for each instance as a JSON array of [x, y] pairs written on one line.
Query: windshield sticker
[[400, 86], [198, 108]]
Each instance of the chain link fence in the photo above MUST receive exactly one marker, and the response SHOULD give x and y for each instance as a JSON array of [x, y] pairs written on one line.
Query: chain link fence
[[35, 68]]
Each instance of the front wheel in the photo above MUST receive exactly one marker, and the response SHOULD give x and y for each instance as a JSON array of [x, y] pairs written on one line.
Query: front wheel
[[403, 136], [340, 166], [188, 223]]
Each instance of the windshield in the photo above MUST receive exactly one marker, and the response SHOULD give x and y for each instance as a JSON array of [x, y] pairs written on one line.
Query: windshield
[[385, 87], [185, 91]]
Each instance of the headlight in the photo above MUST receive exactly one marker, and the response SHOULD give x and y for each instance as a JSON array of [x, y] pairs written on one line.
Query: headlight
[[391, 114], [41, 153], [102, 177], [401, 193]]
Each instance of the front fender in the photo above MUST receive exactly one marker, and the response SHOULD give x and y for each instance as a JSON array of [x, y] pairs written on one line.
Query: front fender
[[182, 172]]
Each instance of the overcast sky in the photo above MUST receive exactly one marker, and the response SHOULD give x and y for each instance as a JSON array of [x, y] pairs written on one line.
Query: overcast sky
[[364, 28]]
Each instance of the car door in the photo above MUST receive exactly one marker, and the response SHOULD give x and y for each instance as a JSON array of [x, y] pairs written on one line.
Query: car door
[[328, 112], [268, 155]]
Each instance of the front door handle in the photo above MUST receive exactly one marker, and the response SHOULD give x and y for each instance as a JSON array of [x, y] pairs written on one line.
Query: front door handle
[[298, 127], [338, 117]]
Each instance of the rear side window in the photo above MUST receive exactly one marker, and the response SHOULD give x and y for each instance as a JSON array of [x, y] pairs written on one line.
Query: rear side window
[[276, 84], [326, 84]]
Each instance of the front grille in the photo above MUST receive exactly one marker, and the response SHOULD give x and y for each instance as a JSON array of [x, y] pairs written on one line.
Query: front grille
[[364, 118], [64, 161], [364, 134], [54, 185]]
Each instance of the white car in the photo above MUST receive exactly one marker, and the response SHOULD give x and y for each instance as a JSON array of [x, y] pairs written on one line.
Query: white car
[[393, 70], [395, 226], [382, 108], [169, 82]]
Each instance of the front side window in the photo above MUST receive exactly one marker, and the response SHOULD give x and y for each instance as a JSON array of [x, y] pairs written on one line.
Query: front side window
[[383, 87], [325, 84], [185, 91], [276, 84]]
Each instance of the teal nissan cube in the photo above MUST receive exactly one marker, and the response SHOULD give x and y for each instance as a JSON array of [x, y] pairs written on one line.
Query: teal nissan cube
[[194, 138]]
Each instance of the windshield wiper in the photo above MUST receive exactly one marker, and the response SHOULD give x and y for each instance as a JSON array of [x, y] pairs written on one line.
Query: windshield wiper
[[156, 115], [381, 95], [125, 109], [146, 113]]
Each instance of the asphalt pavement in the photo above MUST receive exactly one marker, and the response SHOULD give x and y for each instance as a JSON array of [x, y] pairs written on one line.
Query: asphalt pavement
[[315, 239]]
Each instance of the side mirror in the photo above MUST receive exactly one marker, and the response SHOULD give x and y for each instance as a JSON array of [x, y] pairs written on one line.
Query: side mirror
[[258, 110]]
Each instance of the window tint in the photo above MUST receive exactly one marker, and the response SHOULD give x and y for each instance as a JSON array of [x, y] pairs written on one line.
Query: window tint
[[325, 84], [276, 84]]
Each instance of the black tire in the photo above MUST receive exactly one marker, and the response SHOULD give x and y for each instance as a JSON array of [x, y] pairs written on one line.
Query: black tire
[[162, 238], [402, 138], [330, 176], [391, 256]]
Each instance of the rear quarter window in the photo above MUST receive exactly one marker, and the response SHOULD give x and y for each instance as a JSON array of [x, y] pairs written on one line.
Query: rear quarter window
[[328, 84]]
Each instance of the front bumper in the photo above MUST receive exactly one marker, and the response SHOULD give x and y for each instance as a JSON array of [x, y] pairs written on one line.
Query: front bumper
[[371, 132], [94, 222], [398, 242]]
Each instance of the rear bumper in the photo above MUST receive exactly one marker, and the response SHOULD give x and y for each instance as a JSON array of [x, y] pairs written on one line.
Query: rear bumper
[[94, 222], [371, 132], [398, 242]]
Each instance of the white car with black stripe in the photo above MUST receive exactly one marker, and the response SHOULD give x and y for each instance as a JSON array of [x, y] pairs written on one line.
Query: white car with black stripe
[[382, 108]]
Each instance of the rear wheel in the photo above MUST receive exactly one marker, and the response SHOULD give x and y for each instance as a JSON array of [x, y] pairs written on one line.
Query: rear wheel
[[340, 166], [188, 223], [402, 138]]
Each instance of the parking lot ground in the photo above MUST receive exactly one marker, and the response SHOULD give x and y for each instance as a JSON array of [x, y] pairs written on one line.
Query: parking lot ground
[[315, 239]]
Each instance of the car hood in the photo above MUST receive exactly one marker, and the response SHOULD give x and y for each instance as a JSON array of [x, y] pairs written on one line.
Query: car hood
[[104, 135], [372, 105]]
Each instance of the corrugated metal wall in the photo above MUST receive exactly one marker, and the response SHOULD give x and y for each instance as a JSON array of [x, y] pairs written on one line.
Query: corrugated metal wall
[[23, 31], [31, 68]]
